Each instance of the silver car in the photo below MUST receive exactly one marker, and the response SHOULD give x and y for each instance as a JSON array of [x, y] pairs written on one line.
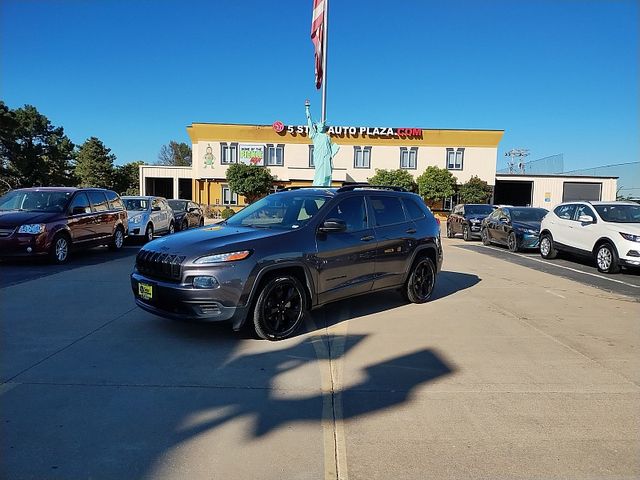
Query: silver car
[[149, 216]]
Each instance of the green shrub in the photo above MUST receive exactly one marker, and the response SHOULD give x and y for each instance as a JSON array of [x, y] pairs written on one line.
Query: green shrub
[[227, 213]]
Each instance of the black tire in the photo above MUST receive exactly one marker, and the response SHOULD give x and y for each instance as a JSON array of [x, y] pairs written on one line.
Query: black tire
[[422, 279], [148, 233], [280, 308], [606, 258], [117, 242], [465, 233], [184, 225], [547, 249], [512, 242], [450, 233], [60, 249], [172, 228], [201, 224], [484, 235]]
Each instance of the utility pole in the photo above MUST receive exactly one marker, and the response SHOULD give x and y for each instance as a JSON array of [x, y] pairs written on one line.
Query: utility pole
[[520, 154]]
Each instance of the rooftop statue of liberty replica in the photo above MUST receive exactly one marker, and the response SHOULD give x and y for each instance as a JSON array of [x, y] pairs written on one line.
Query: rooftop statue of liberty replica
[[323, 150]]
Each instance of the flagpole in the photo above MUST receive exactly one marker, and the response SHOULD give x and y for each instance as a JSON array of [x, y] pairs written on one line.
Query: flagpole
[[324, 60]]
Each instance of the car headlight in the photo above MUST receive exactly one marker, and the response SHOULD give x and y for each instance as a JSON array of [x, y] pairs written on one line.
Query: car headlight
[[135, 219], [630, 236], [223, 257], [33, 228], [530, 232]]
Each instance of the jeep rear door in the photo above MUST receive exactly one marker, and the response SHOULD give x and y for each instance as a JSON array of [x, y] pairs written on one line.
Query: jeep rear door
[[345, 260], [396, 240]]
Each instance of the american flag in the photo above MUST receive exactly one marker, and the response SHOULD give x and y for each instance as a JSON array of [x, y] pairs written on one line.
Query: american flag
[[317, 37]]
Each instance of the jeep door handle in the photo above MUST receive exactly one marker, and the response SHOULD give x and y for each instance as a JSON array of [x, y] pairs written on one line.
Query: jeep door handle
[[411, 230], [367, 238]]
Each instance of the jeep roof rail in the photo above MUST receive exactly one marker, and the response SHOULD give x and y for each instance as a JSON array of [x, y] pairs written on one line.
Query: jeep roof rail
[[347, 187], [298, 187]]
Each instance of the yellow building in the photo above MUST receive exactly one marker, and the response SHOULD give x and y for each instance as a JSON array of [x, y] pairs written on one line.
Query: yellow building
[[287, 151]]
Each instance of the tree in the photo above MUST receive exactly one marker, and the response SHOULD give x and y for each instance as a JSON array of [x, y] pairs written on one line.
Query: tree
[[394, 178], [436, 184], [32, 151], [176, 154], [94, 164], [126, 178], [475, 190], [250, 181]]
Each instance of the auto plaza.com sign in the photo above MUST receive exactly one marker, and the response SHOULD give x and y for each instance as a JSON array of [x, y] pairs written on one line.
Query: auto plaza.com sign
[[376, 132]]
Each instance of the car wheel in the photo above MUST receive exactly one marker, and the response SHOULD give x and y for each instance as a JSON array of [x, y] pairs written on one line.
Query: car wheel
[[607, 259], [185, 225], [59, 252], [449, 231], [512, 242], [172, 228], [118, 239], [280, 308], [421, 281], [465, 233], [201, 222], [547, 250], [148, 233], [484, 234]]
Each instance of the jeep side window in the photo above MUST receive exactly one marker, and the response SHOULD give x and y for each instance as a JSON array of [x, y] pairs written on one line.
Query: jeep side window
[[387, 210], [352, 211], [413, 209]]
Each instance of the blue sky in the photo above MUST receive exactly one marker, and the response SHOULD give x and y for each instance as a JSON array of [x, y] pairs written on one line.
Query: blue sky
[[557, 76]]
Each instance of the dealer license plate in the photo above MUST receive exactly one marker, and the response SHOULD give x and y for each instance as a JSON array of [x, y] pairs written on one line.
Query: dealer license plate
[[145, 291]]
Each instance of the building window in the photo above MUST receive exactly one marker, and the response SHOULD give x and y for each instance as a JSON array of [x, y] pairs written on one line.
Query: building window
[[275, 154], [455, 158], [450, 202], [311, 164], [228, 197], [228, 153], [409, 158], [362, 157]]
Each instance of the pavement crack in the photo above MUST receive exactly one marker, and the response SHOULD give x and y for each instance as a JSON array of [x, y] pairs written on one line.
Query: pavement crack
[[70, 344]]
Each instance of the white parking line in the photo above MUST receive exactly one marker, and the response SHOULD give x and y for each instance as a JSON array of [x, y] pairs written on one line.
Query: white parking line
[[554, 293], [539, 260]]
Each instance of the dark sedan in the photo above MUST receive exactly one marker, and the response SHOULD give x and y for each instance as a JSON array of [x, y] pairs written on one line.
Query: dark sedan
[[516, 227], [466, 219], [187, 214]]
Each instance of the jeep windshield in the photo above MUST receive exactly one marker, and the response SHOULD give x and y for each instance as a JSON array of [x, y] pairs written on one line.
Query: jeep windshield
[[619, 213], [281, 211], [35, 201]]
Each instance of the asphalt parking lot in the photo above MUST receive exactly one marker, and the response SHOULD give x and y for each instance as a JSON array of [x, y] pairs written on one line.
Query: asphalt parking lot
[[515, 369]]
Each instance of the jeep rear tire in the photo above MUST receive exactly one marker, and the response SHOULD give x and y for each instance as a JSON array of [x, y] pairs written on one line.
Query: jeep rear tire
[[422, 279]]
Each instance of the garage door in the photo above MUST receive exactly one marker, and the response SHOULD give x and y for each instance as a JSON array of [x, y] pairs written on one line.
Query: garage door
[[575, 191]]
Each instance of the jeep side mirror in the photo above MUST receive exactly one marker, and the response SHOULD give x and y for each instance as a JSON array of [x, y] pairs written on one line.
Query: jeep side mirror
[[585, 219], [333, 225]]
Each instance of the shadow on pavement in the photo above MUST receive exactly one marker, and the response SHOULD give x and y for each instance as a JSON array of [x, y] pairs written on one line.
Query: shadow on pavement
[[18, 270]]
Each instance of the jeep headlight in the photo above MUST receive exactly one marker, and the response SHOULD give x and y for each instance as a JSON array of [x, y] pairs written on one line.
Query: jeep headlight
[[33, 228], [530, 232], [223, 257]]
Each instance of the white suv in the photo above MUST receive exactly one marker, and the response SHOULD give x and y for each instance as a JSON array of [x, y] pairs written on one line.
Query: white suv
[[609, 232]]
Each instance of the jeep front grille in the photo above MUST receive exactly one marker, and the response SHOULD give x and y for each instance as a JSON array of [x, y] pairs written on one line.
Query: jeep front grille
[[160, 265]]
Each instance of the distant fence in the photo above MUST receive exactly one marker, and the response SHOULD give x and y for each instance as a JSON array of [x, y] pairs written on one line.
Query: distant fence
[[628, 176], [553, 164]]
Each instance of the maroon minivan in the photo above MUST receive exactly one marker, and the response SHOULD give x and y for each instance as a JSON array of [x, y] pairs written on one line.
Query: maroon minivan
[[53, 220]]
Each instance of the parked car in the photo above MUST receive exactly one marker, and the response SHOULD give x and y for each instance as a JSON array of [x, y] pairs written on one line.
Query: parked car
[[186, 214], [466, 219], [608, 232], [289, 252], [149, 216], [53, 220], [516, 227]]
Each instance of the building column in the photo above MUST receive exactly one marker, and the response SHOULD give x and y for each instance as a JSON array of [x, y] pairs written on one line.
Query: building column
[[176, 185]]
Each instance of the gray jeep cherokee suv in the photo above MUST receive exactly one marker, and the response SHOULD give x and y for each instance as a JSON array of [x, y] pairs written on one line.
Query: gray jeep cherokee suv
[[289, 252]]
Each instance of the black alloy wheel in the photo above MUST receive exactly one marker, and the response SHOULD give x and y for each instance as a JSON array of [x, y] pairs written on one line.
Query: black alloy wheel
[[172, 228], [450, 233], [59, 252], [484, 235], [512, 242], [465, 233], [148, 234], [280, 308], [421, 282]]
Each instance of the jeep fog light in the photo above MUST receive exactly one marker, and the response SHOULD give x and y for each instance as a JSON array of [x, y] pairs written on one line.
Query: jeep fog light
[[205, 281]]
